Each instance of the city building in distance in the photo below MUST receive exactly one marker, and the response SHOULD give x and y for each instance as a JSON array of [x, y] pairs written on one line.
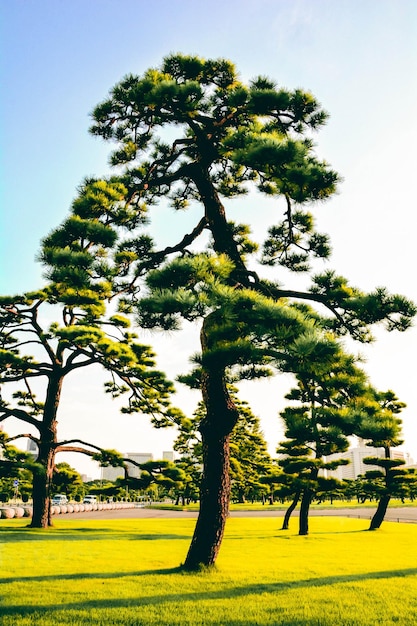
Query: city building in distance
[[356, 466], [112, 473]]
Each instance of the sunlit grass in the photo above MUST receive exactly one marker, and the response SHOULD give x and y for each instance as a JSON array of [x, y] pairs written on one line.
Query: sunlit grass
[[278, 506], [126, 572]]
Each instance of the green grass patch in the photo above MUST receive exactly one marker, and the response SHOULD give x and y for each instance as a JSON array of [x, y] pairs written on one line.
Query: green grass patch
[[126, 572], [258, 506]]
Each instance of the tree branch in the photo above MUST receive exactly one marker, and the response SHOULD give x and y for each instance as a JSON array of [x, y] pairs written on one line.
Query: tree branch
[[26, 435], [6, 412]]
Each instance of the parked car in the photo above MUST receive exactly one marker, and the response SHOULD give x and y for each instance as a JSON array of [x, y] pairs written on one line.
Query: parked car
[[90, 500], [59, 499]]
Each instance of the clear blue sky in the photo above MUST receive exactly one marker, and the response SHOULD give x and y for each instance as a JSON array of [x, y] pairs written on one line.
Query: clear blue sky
[[359, 58]]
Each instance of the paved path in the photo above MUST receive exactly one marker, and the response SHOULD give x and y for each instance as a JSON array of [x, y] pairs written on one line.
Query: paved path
[[405, 514]]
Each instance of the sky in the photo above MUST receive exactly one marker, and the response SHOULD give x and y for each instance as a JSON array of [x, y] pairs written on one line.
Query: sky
[[59, 58]]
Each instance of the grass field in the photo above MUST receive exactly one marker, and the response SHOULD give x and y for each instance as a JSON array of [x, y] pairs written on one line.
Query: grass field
[[126, 572], [277, 506]]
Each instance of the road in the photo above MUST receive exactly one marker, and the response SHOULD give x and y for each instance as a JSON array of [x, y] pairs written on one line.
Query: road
[[397, 514]]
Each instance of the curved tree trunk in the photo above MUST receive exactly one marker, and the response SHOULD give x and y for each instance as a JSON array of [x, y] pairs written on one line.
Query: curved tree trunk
[[221, 417], [289, 511], [379, 514], [306, 499], [42, 477]]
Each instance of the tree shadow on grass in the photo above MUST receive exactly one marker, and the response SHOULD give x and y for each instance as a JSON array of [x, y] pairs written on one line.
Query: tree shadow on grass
[[11, 535], [287, 535], [194, 597], [92, 575]]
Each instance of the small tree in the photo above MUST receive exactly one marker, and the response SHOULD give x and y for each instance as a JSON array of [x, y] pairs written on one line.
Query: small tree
[[249, 457], [382, 428], [67, 480], [250, 460], [15, 465], [80, 277], [86, 337], [191, 489], [328, 383], [167, 476]]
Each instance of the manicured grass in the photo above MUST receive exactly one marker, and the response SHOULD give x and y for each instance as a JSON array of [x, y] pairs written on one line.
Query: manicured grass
[[277, 506], [126, 572]]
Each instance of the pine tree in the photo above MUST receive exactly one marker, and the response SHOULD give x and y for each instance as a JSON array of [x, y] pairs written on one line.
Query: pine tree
[[191, 133], [318, 426], [67, 480], [382, 428], [86, 335]]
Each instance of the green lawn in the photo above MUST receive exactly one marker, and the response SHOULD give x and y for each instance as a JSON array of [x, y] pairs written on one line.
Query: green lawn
[[126, 572], [277, 506]]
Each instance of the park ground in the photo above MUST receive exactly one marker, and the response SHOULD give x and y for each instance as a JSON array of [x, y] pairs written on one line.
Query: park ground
[[126, 572]]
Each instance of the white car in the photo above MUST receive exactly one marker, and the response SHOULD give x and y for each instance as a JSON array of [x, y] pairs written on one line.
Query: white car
[[59, 499], [90, 500]]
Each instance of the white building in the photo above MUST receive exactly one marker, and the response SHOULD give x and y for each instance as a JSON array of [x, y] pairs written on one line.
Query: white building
[[138, 457], [355, 456], [112, 473], [32, 448]]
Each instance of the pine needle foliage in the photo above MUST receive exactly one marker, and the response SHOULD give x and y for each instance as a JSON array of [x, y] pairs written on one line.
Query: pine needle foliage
[[190, 133]]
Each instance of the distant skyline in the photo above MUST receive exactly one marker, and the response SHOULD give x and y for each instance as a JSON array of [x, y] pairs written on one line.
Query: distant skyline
[[359, 59]]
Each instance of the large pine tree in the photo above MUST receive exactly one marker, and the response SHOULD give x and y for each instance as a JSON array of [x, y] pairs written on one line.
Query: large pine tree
[[191, 133]]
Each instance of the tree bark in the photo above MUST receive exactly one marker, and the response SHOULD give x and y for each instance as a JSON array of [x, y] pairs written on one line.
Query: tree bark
[[42, 477], [214, 503], [289, 511], [306, 499], [379, 514], [304, 510], [223, 241], [42, 480], [221, 416]]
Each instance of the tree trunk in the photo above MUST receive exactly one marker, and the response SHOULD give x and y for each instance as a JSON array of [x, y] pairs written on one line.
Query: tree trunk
[[214, 503], [42, 478], [379, 514], [306, 499], [221, 416], [304, 510], [289, 511]]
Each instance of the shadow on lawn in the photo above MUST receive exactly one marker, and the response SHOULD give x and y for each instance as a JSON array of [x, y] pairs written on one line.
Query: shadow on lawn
[[98, 575], [20, 535], [195, 597]]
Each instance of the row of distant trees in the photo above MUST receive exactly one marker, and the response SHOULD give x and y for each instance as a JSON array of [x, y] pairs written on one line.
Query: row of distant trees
[[192, 134], [255, 476], [18, 482]]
